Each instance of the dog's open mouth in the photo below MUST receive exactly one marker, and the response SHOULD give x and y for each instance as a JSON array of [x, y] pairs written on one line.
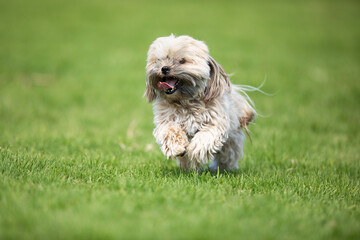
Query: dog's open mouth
[[168, 84]]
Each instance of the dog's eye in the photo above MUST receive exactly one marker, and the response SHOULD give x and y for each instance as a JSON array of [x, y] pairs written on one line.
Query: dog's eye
[[182, 61]]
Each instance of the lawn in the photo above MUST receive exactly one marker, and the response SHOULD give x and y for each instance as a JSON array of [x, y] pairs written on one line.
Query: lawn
[[77, 155]]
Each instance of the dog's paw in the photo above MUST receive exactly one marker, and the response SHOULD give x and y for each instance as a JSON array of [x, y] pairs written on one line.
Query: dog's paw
[[201, 148], [173, 151], [198, 154], [175, 143]]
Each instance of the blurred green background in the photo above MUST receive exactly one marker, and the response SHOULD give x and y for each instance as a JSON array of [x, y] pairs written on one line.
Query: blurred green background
[[78, 159]]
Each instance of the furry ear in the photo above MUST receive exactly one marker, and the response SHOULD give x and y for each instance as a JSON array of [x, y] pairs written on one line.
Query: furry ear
[[218, 83], [149, 92]]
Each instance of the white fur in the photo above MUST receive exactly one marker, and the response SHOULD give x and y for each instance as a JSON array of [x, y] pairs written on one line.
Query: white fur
[[204, 119]]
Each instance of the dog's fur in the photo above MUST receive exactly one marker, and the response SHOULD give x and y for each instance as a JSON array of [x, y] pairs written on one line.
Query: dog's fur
[[205, 118]]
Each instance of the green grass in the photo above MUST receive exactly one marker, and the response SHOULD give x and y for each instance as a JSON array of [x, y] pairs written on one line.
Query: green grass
[[77, 155]]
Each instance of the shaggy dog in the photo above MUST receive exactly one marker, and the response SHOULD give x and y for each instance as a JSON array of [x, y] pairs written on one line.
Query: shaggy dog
[[199, 116]]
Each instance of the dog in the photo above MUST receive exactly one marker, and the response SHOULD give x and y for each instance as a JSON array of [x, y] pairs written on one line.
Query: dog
[[200, 117]]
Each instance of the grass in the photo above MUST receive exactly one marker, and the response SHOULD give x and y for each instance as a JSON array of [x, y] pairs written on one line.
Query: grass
[[77, 156]]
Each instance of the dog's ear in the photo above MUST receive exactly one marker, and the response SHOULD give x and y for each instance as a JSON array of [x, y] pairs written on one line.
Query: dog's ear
[[149, 92], [218, 83]]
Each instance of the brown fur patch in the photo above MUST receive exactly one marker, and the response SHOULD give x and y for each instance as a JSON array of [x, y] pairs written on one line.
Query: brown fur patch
[[178, 136], [244, 122]]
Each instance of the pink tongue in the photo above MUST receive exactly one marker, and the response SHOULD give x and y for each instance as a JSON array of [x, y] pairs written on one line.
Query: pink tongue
[[168, 84]]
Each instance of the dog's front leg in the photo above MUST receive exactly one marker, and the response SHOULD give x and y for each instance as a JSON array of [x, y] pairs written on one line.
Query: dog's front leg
[[206, 143], [171, 139]]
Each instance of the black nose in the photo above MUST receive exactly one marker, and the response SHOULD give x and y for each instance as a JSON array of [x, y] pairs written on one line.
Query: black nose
[[165, 70]]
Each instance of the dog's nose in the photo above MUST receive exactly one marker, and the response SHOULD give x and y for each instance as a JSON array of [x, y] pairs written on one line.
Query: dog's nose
[[165, 70]]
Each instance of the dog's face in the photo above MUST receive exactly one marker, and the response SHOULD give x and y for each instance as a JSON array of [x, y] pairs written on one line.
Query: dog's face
[[181, 68]]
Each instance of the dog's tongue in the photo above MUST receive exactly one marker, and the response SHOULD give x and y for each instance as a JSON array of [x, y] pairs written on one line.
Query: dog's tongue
[[167, 84]]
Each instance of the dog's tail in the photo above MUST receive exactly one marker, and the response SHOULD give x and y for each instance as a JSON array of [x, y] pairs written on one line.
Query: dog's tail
[[248, 110]]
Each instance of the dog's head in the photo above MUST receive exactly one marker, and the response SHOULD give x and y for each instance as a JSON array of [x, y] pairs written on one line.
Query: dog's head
[[181, 68]]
